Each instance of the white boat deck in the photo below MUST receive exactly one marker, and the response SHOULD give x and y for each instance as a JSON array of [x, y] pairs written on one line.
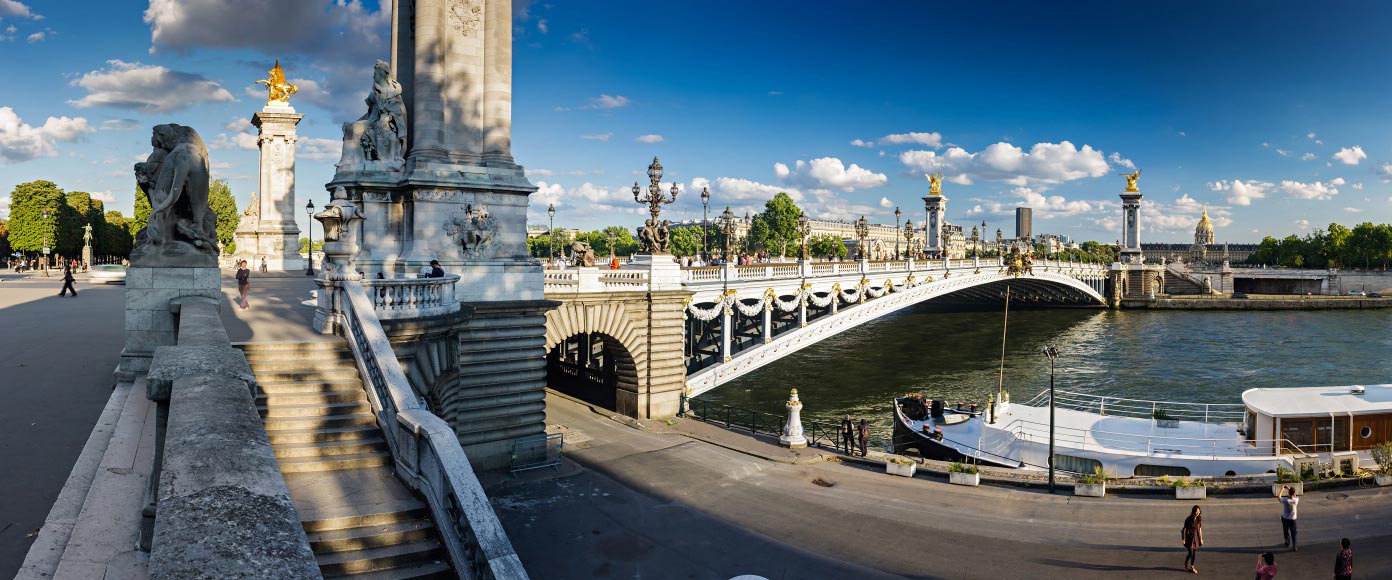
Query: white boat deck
[[1124, 435]]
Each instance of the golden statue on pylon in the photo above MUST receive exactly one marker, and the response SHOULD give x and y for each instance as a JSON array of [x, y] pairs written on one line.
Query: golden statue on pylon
[[1131, 181], [279, 88], [935, 183]]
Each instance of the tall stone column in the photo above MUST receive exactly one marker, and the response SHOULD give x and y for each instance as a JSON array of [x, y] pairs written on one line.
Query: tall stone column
[[936, 206], [268, 230], [1131, 228], [497, 79]]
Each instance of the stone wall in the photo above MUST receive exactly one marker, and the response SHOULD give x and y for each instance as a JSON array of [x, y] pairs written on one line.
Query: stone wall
[[149, 322]]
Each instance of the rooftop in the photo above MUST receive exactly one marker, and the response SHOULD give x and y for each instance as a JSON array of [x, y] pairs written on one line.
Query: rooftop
[[1319, 401]]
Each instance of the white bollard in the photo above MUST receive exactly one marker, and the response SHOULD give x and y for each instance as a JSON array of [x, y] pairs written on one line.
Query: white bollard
[[792, 437]]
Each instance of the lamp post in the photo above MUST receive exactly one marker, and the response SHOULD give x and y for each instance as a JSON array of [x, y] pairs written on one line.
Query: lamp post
[[983, 236], [1000, 250], [309, 252], [705, 219], [1052, 353], [908, 238], [611, 244], [804, 230], [46, 249], [727, 226], [551, 234], [897, 213], [976, 252], [654, 199], [862, 229]]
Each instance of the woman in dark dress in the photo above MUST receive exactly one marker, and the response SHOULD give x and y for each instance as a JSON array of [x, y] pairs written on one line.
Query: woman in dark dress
[[243, 281], [1192, 537]]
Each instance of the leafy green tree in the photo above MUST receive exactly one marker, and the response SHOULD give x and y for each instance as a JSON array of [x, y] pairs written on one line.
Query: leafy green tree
[[114, 239], [827, 246], [776, 228], [225, 207], [686, 240], [85, 211], [142, 214], [318, 245], [28, 228], [5, 249]]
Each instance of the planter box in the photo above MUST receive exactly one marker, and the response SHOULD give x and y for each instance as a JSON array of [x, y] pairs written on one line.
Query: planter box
[[972, 479], [1090, 489], [1383, 479], [1191, 492], [1167, 423], [900, 469], [1299, 487]]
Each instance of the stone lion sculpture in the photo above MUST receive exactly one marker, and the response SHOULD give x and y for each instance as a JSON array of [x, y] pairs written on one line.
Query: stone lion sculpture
[[583, 254], [175, 180]]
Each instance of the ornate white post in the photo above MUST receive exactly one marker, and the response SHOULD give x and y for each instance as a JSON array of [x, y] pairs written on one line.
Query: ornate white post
[[725, 321], [768, 320], [792, 437]]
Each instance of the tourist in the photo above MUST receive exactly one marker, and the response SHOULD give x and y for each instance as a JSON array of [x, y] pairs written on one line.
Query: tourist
[[864, 437], [1192, 537], [243, 282], [1289, 502], [263, 265], [1266, 566], [67, 281], [1343, 561], [613, 262], [848, 434], [435, 270]]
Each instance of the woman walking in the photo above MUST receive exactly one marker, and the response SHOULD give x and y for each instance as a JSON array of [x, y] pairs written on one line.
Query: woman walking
[[1192, 537], [243, 281]]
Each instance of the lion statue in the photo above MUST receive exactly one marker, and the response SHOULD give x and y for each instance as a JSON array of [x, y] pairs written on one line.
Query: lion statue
[[175, 180], [583, 254]]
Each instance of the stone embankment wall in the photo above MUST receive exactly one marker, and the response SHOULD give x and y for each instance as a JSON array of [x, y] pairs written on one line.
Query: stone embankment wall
[[1366, 280], [1224, 303]]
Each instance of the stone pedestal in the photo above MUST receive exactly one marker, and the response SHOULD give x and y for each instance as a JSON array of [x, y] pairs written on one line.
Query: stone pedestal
[[268, 230], [149, 321], [936, 206], [664, 273], [792, 436]]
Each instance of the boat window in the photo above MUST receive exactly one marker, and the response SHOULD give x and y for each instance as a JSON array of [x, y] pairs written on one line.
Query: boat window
[[1299, 434], [1366, 432], [1341, 434], [1249, 426], [1076, 464], [1147, 470]]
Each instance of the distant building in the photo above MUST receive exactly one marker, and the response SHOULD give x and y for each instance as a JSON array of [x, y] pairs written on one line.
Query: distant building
[[1202, 250], [1024, 228]]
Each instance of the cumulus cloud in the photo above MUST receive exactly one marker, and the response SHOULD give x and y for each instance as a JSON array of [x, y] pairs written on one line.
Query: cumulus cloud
[[20, 141], [1337, 181], [1358, 185], [863, 143], [1047, 163], [1310, 135], [1043, 206], [933, 139], [581, 203], [607, 102], [120, 125], [1384, 170], [649, 138], [147, 88], [1307, 157], [36, 37], [1283, 152], [1241, 192], [885, 203], [1316, 190], [1302, 224], [743, 190], [1351, 155], [16, 9], [1117, 159], [1352, 209], [829, 173], [597, 137], [317, 149]]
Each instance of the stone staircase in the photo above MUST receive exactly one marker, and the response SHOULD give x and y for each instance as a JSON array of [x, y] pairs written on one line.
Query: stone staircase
[[363, 523]]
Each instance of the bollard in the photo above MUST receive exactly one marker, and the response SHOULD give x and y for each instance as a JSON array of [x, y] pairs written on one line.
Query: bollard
[[792, 436]]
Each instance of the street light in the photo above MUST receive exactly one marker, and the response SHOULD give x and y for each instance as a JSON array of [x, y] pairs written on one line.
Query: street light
[[804, 230], [1052, 353], [45, 244], [551, 234], [897, 213], [727, 226], [705, 219], [862, 229], [309, 209], [908, 238], [983, 235], [976, 252]]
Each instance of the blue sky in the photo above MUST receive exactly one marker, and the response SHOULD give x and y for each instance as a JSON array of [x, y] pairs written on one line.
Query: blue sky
[[1272, 114]]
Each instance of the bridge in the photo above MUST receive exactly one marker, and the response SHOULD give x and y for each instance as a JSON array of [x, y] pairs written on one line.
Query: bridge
[[637, 340]]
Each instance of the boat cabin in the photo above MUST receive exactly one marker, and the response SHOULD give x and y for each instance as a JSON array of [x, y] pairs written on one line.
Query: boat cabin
[[1318, 419]]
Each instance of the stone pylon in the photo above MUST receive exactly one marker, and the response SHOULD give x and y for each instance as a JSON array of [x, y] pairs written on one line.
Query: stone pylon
[[267, 230]]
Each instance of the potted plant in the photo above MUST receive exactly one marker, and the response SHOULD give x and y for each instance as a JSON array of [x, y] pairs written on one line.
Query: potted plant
[[1091, 484], [900, 466], [1382, 454], [963, 474], [1284, 478], [1190, 489], [1164, 420]]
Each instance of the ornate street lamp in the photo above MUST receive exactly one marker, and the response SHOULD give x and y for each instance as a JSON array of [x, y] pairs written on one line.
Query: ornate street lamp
[[804, 230], [705, 206], [976, 251], [862, 229], [908, 238], [655, 233], [46, 249], [309, 210], [1052, 353], [551, 234], [727, 226], [897, 213], [983, 236]]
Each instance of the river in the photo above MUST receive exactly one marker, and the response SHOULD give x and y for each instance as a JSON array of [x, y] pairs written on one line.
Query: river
[[1188, 356]]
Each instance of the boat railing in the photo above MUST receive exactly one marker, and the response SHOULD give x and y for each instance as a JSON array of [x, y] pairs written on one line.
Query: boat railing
[[1152, 445], [1161, 410]]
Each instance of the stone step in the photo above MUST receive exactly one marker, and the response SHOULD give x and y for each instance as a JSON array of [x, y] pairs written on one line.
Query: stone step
[[299, 387], [335, 354], [382, 558], [282, 366], [319, 410], [436, 570], [306, 375], [291, 346], [364, 537], [284, 398], [280, 424], [335, 463], [330, 448], [293, 436], [407, 512]]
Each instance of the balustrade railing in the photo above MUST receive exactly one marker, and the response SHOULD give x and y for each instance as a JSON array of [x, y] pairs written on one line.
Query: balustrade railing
[[426, 450], [561, 277], [1138, 408], [401, 298]]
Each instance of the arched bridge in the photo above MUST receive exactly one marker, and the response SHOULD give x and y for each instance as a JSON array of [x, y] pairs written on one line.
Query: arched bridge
[[623, 341]]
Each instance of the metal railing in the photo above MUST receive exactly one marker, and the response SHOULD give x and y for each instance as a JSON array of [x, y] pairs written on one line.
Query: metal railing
[[758, 422], [401, 298], [425, 449], [1140, 408], [1153, 445]]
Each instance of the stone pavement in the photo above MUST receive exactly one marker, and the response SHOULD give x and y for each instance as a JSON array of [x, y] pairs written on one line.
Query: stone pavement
[[633, 503]]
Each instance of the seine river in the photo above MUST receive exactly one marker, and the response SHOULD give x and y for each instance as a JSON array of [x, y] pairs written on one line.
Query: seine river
[[1191, 356]]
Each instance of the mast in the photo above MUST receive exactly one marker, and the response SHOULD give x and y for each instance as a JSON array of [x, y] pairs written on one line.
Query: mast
[[1005, 325]]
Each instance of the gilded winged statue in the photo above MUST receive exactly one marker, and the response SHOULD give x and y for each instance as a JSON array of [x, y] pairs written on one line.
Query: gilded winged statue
[[935, 183], [280, 89], [1131, 180]]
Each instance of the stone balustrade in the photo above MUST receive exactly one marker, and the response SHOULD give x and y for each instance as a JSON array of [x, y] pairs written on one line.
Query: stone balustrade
[[595, 280], [403, 298]]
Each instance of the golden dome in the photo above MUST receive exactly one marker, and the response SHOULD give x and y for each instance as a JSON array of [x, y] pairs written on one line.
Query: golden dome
[[1203, 233]]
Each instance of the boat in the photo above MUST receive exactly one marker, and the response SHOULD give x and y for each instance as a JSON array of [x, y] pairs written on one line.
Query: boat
[[1322, 429]]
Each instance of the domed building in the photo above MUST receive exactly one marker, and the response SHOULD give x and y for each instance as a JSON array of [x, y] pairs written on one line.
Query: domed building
[[1203, 237]]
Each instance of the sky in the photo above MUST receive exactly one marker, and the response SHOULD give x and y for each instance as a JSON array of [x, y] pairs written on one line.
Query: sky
[[1272, 115]]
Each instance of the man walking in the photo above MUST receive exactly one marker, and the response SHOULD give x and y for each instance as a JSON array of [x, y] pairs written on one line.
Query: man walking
[[864, 436], [68, 282], [848, 435], [1343, 562], [1289, 502]]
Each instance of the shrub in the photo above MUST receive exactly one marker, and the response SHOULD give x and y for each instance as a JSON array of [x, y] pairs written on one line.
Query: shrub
[[1094, 478], [1284, 475], [1181, 482], [901, 460], [1160, 415], [959, 467], [1382, 455]]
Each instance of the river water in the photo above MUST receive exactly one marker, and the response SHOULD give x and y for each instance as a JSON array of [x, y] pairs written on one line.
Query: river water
[[1187, 356]]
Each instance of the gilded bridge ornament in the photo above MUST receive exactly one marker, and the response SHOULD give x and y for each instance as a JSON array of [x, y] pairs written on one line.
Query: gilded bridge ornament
[[280, 89], [1131, 181], [935, 183]]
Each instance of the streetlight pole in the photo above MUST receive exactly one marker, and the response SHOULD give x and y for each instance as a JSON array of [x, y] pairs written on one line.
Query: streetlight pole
[[727, 225], [309, 252], [862, 229], [1052, 353], [908, 239], [45, 244], [705, 219], [897, 213], [804, 230], [551, 235]]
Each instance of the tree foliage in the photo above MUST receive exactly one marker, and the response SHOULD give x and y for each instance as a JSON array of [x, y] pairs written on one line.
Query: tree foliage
[[142, 213], [826, 246], [225, 207], [686, 240], [1366, 245], [776, 228], [28, 202]]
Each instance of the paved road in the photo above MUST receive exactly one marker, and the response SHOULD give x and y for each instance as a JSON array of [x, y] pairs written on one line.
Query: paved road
[[645, 505]]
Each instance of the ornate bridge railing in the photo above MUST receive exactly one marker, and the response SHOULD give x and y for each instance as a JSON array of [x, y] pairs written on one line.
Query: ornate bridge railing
[[400, 298], [595, 280], [789, 271], [425, 449]]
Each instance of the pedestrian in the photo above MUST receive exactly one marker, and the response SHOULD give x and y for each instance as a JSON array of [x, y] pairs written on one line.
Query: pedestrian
[[1343, 562], [864, 436], [1192, 537], [68, 282], [848, 434], [263, 265], [243, 281], [1266, 566], [435, 270], [1289, 502]]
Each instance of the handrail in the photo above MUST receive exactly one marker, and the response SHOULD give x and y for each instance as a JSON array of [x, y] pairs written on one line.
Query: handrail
[[402, 298], [1154, 444], [426, 450], [1141, 408]]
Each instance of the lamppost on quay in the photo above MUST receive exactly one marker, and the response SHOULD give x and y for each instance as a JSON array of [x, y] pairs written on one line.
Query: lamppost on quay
[[705, 219], [46, 249], [897, 213], [804, 230], [1052, 353], [908, 238], [551, 234], [727, 226], [309, 252], [862, 229]]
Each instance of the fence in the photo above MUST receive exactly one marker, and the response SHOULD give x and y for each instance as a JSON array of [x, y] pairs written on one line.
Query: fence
[[756, 422]]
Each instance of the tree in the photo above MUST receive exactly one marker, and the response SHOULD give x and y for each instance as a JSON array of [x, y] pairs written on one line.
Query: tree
[[225, 207], [142, 214], [318, 244], [28, 201], [686, 240], [776, 227], [85, 211], [826, 246], [5, 249], [115, 239]]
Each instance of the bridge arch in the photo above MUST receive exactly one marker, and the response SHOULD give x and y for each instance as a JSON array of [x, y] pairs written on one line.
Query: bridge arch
[[619, 351]]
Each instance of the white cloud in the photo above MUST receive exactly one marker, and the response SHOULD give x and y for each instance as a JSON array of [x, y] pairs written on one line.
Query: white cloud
[[1358, 185], [1183, 134], [5, 207], [1302, 224], [1265, 144], [649, 138], [1310, 135], [22, 142], [885, 203], [1352, 209], [148, 88], [933, 139], [862, 143], [1316, 190], [1307, 157], [1384, 170], [1351, 155], [743, 190], [1283, 152], [1045, 163], [104, 196], [597, 137], [35, 37], [120, 125], [607, 102], [317, 149], [1337, 181], [1043, 206], [1116, 158], [542, 26], [829, 173], [1240, 192], [238, 124], [16, 9]]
